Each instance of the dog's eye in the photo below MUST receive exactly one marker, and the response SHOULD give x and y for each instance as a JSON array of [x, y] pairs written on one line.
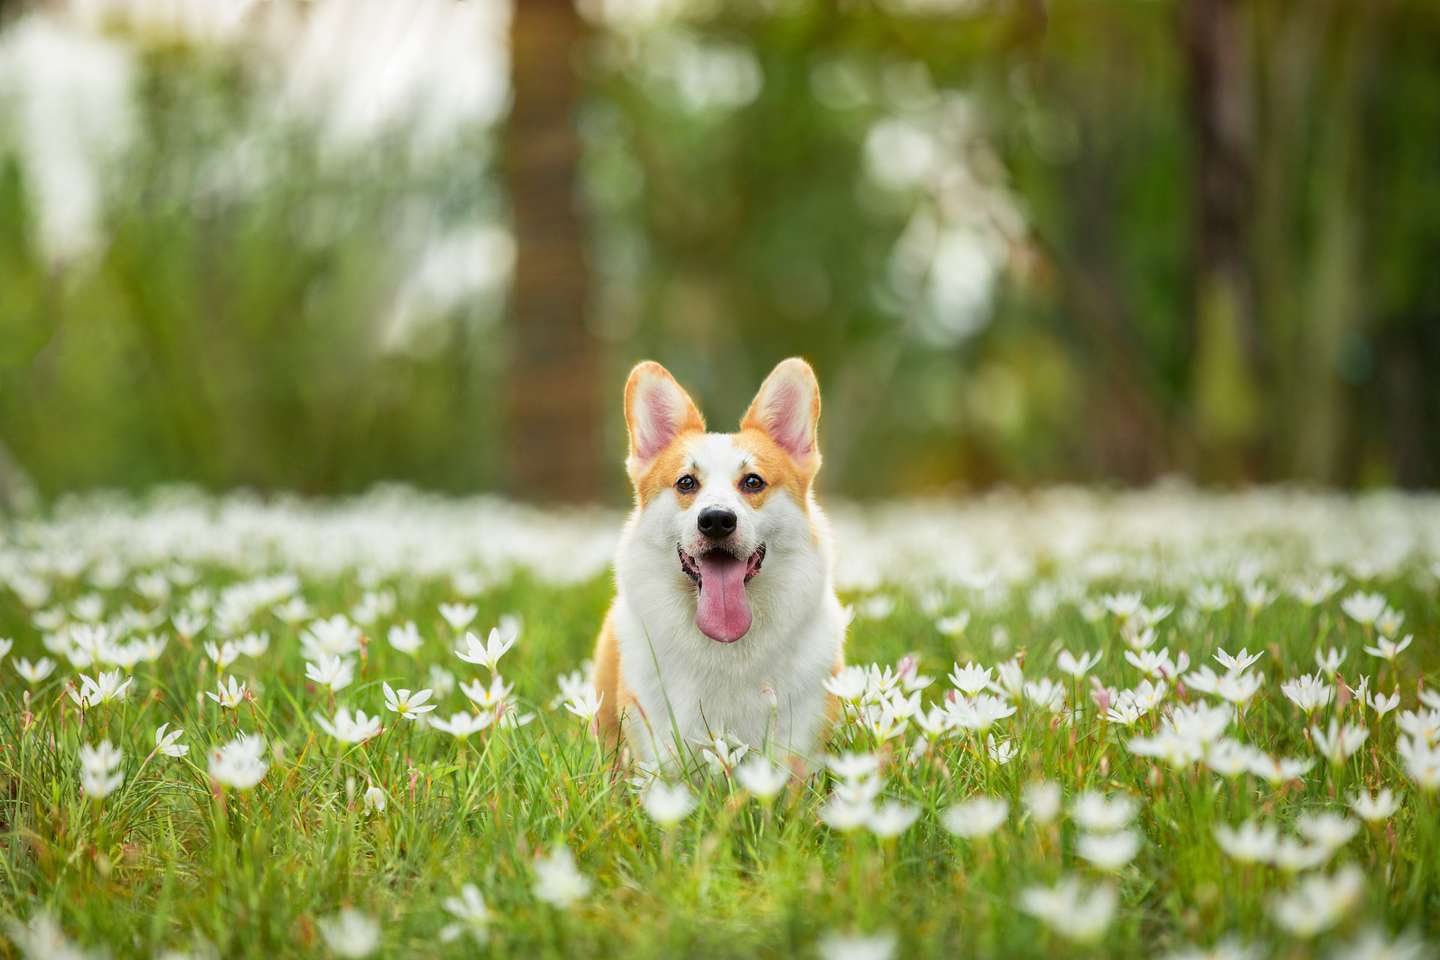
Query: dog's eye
[[687, 484], [752, 483]]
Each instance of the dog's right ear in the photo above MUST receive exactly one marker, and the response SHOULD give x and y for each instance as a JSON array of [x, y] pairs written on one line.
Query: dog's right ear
[[657, 410]]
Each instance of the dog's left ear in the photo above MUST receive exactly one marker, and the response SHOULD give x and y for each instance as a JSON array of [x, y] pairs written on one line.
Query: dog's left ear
[[787, 409]]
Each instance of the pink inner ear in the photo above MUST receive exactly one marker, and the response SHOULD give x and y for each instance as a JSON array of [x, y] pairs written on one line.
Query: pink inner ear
[[658, 423], [787, 415]]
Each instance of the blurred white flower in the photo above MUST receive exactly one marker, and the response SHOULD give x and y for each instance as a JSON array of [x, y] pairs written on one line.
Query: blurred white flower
[[1318, 902], [100, 773], [558, 881], [668, 803], [1070, 910], [763, 778], [35, 672], [405, 638], [336, 673], [461, 725], [851, 946], [350, 933], [471, 915], [239, 763], [976, 818], [349, 728]]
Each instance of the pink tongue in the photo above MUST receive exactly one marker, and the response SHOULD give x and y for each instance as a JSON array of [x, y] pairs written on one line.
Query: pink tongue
[[724, 611]]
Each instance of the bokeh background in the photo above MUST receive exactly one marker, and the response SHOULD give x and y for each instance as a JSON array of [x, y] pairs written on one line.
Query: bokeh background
[[316, 245]]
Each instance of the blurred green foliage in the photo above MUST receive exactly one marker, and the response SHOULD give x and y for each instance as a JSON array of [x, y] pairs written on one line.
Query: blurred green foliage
[[1022, 243]]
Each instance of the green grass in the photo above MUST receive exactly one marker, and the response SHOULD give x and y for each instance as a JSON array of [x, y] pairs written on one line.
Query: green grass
[[169, 860]]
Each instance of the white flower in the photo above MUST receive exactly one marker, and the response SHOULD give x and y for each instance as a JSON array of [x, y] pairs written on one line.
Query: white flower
[[337, 673], [350, 933], [1329, 660], [1108, 851], [1074, 666], [409, 705], [1338, 743], [1375, 944], [1308, 692], [1240, 662], [253, 644], [1278, 770], [976, 818], [1228, 948], [405, 637], [442, 681], [722, 751], [1251, 842], [223, 654], [1229, 758], [557, 880], [1316, 590], [100, 773], [1157, 663], [1327, 829], [1422, 761], [1387, 649], [471, 915], [169, 743], [228, 696], [892, 818], [955, 625], [585, 703], [333, 637], [668, 803], [350, 729], [844, 814], [1382, 704], [1000, 753], [1375, 808], [1042, 800], [374, 800], [1046, 694], [853, 766], [1071, 911], [462, 725], [1099, 813], [1239, 688], [761, 777], [847, 684], [1363, 608], [103, 689], [239, 763], [458, 615], [837, 946], [970, 679], [1317, 902], [487, 697], [496, 644], [33, 673], [978, 713]]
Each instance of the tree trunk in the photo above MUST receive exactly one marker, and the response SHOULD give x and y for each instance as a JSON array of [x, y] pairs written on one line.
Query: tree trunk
[[554, 404], [1227, 342]]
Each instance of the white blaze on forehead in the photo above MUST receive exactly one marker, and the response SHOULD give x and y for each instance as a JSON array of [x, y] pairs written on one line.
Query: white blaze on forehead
[[717, 457]]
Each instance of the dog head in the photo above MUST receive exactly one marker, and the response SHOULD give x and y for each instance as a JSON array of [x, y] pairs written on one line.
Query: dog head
[[722, 510]]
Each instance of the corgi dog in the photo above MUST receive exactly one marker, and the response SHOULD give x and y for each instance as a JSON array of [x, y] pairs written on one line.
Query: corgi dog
[[725, 618]]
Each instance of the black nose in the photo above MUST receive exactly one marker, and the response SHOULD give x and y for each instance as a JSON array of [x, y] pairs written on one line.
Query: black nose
[[717, 523]]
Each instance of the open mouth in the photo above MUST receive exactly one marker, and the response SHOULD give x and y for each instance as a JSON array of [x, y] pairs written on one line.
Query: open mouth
[[722, 610]]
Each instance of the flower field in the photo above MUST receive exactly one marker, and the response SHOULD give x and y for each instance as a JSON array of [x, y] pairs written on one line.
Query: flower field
[[1161, 723]]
